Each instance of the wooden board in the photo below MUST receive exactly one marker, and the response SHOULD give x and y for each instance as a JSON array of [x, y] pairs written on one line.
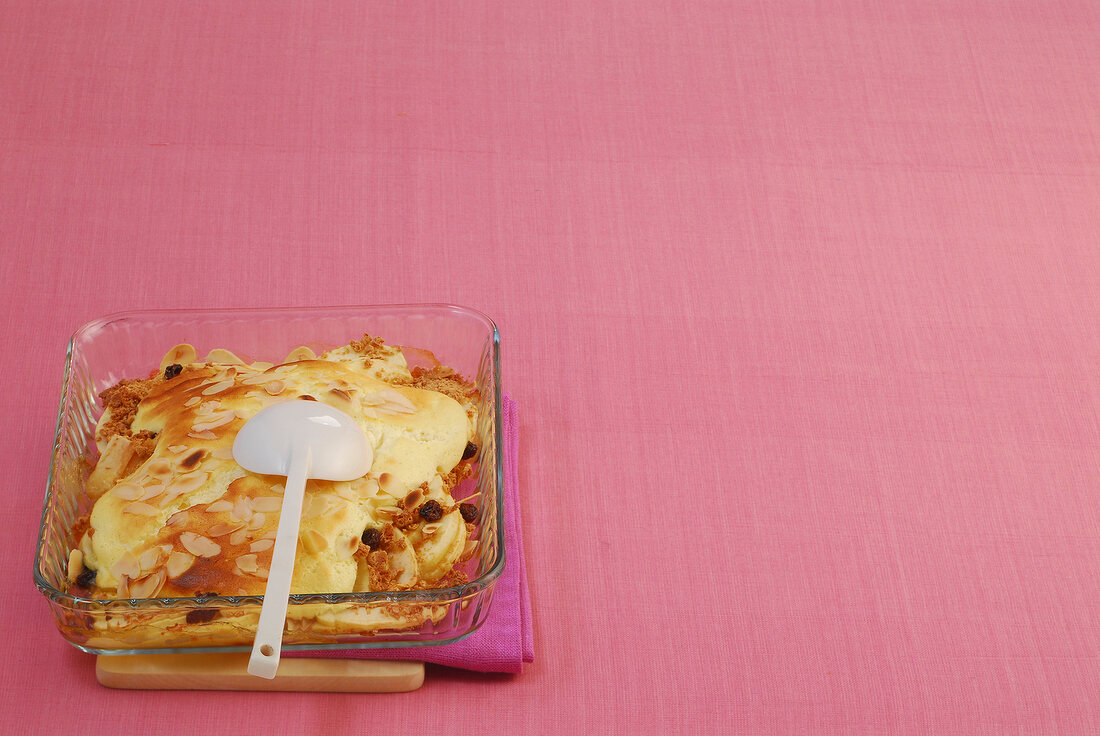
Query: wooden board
[[227, 671]]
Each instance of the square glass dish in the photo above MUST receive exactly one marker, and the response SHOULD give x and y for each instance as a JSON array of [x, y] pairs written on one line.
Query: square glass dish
[[129, 345]]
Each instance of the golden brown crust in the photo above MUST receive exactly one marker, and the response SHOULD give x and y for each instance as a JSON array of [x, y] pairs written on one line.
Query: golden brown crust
[[441, 379]]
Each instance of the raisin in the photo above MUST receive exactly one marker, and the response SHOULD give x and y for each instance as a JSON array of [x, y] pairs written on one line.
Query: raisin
[[372, 537], [86, 578], [470, 451], [172, 371], [469, 512], [201, 615], [431, 511]]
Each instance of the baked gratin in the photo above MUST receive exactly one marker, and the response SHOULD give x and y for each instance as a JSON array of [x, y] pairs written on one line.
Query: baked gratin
[[175, 516]]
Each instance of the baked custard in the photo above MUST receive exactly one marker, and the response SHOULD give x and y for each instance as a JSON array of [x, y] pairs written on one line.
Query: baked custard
[[175, 516]]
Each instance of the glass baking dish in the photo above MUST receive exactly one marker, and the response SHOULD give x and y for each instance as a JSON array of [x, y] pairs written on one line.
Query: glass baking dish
[[129, 345]]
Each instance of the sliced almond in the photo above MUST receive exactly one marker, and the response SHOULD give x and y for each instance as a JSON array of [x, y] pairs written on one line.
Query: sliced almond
[[278, 488], [261, 544], [204, 435], [75, 566], [152, 492], [182, 354], [220, 530], [192, 401], [300, 353], [220, 421], [178, 519], [267, 503], [178, 449], [159, 467], [219, 506], [262, 573], [126, 566], [149, 559], [221, 355], [413, 499], [178, 563], [140, 508], [242, 509], [218, 387], [429, 529], [199, 545], [274, 387], [388, 512], [128, 491], [239, 537], [222, 453], [313, 542], [258, 520], [247, 563], [148, 586]]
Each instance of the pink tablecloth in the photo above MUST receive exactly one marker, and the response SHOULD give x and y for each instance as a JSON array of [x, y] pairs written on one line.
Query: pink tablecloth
[[799, 300]]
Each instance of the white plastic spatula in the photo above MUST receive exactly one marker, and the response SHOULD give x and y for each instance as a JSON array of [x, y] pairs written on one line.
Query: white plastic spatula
[[301, 440]]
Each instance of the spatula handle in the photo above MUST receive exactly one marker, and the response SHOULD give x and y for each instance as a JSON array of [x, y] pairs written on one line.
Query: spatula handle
[[268, 644]]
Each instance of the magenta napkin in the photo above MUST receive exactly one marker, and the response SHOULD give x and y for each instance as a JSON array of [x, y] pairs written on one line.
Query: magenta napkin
[[506, 640]]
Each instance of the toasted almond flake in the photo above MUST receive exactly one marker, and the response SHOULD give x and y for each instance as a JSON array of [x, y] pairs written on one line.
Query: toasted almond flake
[[242, 510], [152, 492], [190, 481], [239, 537], [217, 388], [429, 529], [204, 435], [128, 491], [340, 394], [278, 488], [258, 520], [126, 566], [389, 512], [170, 495], [221, 355], [413, 499], [261, 573], [148, 586], [178, 449], [257, 379], [208, 408], [149, 559], [178, 519], [313, 542], [178, 563], [247, 563], [469, 549], [300, 353], [267, 503], [199, 545], [274, 387], [140, 508], [182, 354], [220, 530], [220, 505], [124, 586], [271, 534], [261, 544], [221, 421], [397, 401], [222, 453], [159, 467], [76, 565], [192, 401]]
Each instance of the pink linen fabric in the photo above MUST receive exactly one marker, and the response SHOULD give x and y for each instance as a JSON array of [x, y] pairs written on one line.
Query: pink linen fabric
[[799, 300], [506, 640]]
